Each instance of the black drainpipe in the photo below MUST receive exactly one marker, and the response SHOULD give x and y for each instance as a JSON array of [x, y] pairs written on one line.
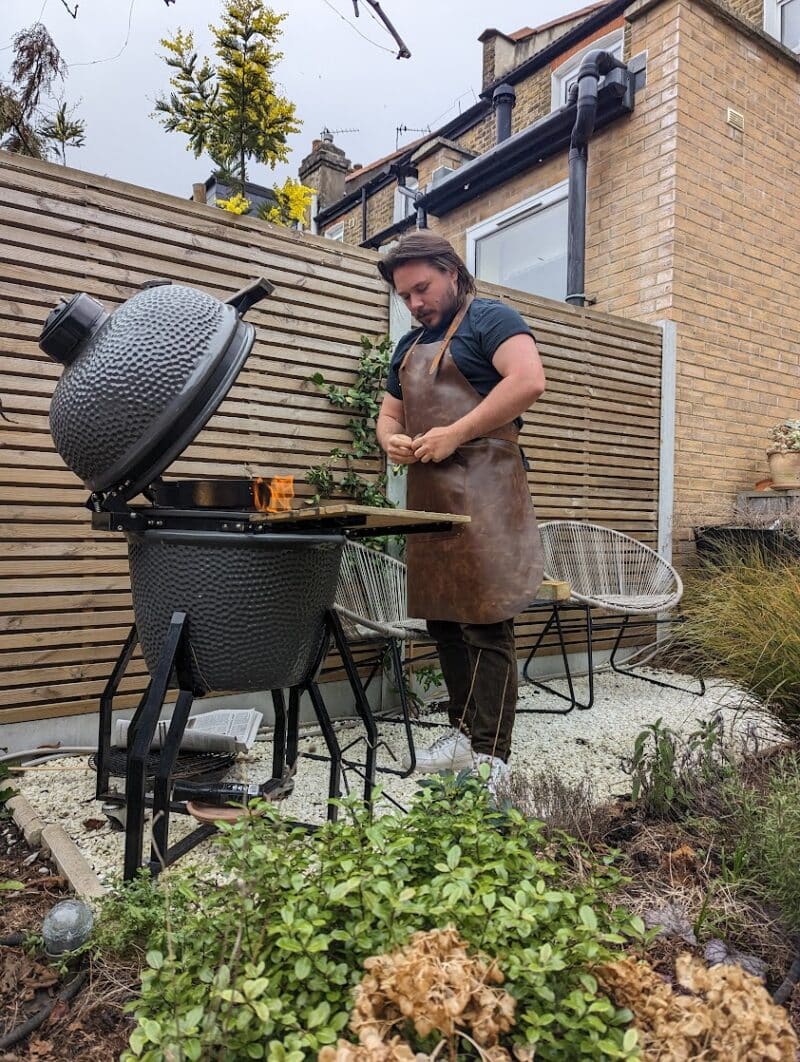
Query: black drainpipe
[[363, 212], [595, 64], [503, 99]]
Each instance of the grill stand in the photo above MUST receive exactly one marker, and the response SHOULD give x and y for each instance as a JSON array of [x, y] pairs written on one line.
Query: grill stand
[[145, 720]]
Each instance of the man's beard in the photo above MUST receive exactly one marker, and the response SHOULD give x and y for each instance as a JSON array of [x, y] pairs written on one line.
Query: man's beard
[[446, 312]]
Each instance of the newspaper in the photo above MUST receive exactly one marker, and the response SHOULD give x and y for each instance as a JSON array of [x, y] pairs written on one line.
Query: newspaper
[[224, 730]]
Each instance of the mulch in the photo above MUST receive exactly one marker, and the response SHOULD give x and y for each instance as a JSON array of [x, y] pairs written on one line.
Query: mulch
[[91, 1027]]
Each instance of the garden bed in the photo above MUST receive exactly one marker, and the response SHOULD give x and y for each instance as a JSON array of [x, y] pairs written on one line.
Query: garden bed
[[581, 745]]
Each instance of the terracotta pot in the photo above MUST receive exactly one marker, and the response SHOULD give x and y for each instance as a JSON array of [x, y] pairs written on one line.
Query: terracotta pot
[[785, 470]]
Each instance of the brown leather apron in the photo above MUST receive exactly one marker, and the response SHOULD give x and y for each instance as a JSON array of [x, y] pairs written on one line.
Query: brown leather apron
[[490, 569]]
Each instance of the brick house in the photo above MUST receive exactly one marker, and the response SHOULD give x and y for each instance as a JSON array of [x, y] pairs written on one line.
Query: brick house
[[693, 181]]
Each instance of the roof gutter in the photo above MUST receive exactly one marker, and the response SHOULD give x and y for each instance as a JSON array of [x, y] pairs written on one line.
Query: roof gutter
[[523, 150]]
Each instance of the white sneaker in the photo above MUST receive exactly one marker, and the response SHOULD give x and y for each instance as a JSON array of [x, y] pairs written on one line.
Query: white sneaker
[[449, 752], [499, 773]]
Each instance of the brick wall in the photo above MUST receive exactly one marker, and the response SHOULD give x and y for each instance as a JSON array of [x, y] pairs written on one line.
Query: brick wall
[[751, 11], [690, 220], [380, 214], [736, 286]]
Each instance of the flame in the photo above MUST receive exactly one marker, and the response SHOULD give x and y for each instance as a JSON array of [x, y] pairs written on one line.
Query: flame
[[274, 496]]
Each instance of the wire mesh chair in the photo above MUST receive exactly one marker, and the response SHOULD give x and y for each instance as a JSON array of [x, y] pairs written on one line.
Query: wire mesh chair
[[371, 604], [614, 572]]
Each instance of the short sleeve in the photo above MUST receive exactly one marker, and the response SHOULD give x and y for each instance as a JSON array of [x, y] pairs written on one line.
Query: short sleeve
[[494, 323], [393, 374]]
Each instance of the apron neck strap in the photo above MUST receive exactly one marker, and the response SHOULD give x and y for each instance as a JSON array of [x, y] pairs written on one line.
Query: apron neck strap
[[451, 331]]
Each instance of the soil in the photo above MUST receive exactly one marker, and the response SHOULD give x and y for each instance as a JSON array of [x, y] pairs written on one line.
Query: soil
[[91, 1027]]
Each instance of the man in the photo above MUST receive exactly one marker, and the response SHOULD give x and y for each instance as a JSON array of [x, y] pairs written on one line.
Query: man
[[456, 389]]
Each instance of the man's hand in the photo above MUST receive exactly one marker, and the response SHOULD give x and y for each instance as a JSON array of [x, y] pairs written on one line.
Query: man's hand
[[437, 444], [399, 450]]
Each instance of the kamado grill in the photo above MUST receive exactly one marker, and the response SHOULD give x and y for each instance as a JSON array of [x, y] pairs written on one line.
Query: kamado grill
[[224, 599]]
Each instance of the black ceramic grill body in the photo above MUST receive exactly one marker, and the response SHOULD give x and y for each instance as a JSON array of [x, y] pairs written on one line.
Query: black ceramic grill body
[[256, 604], [140, 383], [137, 387]]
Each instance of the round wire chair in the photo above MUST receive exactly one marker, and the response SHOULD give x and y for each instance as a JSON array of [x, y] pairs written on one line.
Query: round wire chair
[[371, 604], [371, 596], [609, 570]]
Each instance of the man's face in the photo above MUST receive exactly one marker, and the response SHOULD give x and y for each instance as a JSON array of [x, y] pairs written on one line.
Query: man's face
[[428, 292]]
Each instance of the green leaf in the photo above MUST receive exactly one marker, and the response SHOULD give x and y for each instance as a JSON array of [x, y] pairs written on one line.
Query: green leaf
[[319, 1014], [588, 917], [302, 968], [338, 892], [453, 857], [137, 1041], [155, 960], [630, 1040], [11, 886]]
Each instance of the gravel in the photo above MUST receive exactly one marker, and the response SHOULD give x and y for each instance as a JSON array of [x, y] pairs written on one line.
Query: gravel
[[581, 744]]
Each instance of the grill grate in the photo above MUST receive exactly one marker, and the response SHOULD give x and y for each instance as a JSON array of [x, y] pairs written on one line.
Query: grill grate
[[208, 766]]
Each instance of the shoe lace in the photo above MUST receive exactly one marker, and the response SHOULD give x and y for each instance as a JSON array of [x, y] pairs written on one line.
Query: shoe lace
[[450, 737]]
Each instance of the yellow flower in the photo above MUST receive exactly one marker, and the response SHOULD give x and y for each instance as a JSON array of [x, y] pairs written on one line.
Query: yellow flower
[[237, 204]]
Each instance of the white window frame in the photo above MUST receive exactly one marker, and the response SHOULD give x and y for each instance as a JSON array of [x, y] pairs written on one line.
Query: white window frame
[[772, 18], [403, 204], [562, 74], [335, 232], [441, 173], [546, 198]]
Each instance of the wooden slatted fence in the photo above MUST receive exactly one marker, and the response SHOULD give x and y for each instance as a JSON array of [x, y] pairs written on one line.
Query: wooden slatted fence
[[64, 590]]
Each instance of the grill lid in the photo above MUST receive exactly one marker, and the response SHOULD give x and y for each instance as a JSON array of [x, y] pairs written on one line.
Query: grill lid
[[139, 383]]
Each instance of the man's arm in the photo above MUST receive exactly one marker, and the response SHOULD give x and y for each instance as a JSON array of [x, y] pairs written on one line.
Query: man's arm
[[390, 429], [518, 363]]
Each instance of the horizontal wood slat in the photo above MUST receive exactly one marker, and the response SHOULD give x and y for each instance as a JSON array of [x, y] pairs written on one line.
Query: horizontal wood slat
[[592, 440]]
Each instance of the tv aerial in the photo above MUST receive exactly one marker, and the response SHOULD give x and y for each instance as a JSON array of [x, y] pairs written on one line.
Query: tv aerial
[[402, 50]]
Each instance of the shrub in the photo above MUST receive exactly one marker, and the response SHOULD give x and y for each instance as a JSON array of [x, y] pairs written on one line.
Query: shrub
[[265, 966], [764, 825], [667, 769], [742, 621]]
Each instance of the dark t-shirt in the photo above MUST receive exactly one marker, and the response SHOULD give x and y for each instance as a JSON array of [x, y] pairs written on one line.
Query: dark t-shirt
[[487, 323]]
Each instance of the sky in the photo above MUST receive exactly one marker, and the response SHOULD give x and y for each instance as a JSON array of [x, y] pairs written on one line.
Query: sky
[[336, 78]]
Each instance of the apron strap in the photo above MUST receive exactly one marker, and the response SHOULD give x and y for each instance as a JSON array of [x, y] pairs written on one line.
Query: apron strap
[[459, 317], [451, 331]]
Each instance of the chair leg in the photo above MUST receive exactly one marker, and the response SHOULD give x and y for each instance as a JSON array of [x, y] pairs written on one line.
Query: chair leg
[[555, 619], [632, 671]]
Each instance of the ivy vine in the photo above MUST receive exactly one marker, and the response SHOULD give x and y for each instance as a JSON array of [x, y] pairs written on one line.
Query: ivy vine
[[363, 400]]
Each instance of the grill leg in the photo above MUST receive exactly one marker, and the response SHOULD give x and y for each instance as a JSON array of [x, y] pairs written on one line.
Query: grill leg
[[335, 753], [140, 737], [107, 709], [362, 704], [397, 664], [162, 786], [279, 734]]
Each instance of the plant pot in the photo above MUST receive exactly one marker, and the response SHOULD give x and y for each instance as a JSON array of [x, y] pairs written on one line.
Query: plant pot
[[785, 470], [727, 544]]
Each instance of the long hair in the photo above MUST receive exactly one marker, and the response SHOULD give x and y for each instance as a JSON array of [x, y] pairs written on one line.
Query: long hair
[[426, 246]]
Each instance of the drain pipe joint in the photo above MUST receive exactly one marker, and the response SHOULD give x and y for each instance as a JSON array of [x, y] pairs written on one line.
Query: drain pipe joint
[[503, 99], [584, 94]]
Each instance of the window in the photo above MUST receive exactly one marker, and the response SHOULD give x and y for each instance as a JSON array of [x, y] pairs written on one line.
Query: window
[[404, 204], [782, 20], [565, 76], [524, 247], [439, 175], [335, 232]]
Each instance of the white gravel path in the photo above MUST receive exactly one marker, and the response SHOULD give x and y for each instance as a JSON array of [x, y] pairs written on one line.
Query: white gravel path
[[584, 743]]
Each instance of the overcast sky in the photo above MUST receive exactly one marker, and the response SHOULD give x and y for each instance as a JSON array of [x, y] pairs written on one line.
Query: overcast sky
[[335, 77]]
